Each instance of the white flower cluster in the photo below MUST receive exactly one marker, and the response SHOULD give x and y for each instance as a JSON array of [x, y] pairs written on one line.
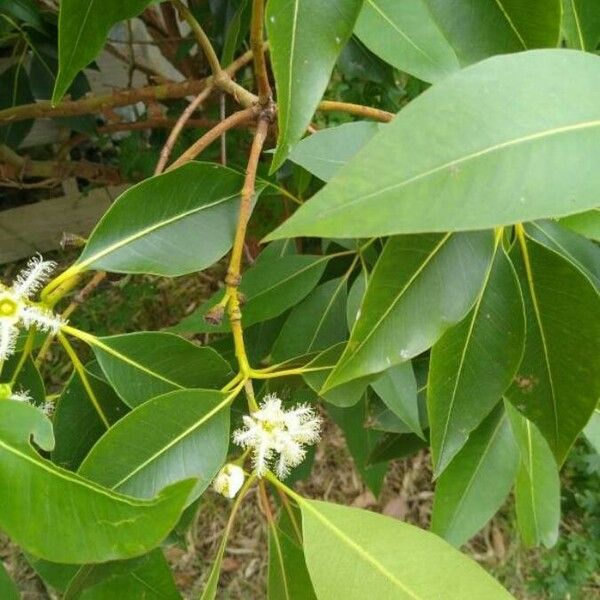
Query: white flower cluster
[[278, 437], [17, 309], [229, 480]]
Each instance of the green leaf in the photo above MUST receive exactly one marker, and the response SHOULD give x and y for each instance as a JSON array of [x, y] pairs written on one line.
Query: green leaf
[[82, 31], [325, 152], [148, 363], [305, 42], [477, 481], [397, 387], [28, 379], [586, 223], [288, 577], [175, 223], [581, 253], [95, 524], [396, 445], [270, 287], [480, 29], [405, 35], [14, 90], [147, 577], [25, 11], [379, 557], [77, 425], [592, 430], [459, 142], [237, 29], [581, 24], [317, 323], [8, 590], [55, 575], [537, 491], [474, 362], [421, 284], [179, 435], [360, 441], [558, 383]]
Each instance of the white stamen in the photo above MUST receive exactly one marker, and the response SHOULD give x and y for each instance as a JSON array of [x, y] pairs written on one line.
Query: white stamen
[[43, 319], [33, 276], [8, 338]]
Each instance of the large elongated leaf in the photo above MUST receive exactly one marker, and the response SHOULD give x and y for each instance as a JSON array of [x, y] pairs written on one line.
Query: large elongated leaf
[[581, 24], [179, 435], [148, 363], [405, 35], [558, 382], [460, 141], [421, 284], [270, 287], [477, 481], [175, 223], [483, 28], [305, 40], [372, 556], [95, 524], [537, 491], [82, 31], [475, 361]]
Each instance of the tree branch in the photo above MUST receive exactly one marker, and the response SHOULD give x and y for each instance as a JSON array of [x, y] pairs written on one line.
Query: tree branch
[[356, 109], [265, 94]]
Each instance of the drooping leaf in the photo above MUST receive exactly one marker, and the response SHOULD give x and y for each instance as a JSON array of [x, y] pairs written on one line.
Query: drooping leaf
[[270, 287], [175, 223], [405, 35], [459, 142], [77, 425], [288, 577], [143, 365], [317, 323], [325, 152], [474, 362], [95, 524], [360, 441], [8, 589], [581, 24], [480, 29], [14, 90], [379, 557], [537, 491], [558, 382], [82, 31], [586, 223], [421, 284], [397, 387], [477, 481], [179, 435], [305, 41]]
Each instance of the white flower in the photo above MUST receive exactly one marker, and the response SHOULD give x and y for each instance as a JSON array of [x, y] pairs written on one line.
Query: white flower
[[229, 480], [7, 393], [18, 310], [277, 436]]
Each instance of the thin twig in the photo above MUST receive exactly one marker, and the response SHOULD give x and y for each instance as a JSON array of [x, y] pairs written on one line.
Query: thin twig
[[265, 94], [357, 109]]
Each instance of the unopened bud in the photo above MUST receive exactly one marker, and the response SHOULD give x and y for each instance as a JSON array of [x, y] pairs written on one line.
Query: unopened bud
[[229, 480]]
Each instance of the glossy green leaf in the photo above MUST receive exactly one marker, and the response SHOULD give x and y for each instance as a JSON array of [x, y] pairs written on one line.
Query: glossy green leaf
[[82, 31], [581, 24], [477, 481], [459, 142], [421, 285], [14, 90], [148, 363], [147, 578], [28, 379], [592, 430], [325, 152], [396, 445], [586, 223], [317, 323], [397, 387], [356, 554], [77, 425], [25, 11], [179, 435], [537, 491], [483, 28], [305, 41], [8, 590], [95, 524], [558, 382], [175, 223], [55, 575], [474, 362], [405, 35], [288, 577], [270, 287]]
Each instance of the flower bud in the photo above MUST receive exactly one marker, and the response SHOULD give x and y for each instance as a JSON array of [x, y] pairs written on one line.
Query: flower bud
[[229, 480]]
